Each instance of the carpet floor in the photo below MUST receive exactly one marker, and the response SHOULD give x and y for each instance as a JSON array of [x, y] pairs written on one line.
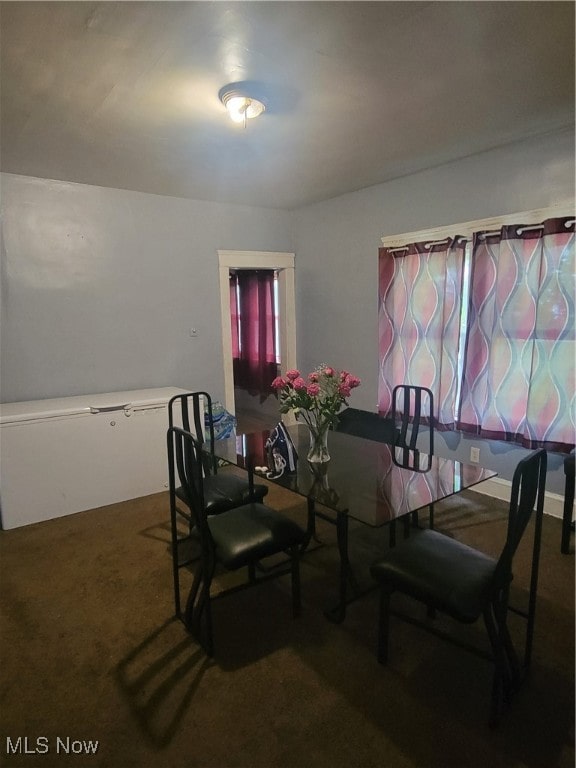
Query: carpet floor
[[95, 671]]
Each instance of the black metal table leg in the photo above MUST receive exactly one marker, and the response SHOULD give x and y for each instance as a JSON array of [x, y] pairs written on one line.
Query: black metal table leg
[[338, 613], [310, 527]]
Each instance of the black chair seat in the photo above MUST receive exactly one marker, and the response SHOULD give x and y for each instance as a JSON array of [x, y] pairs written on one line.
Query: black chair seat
[[466, 584], [251, 532], [223, 491], [441, 571]]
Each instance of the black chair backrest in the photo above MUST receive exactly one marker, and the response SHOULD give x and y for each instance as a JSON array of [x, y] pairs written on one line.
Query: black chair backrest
[[412, 459], [527, 496], [412, 413], [199, 403], [185, 468], [371, 426]]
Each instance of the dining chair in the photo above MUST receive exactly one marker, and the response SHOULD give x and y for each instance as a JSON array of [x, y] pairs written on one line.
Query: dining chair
[[241, 536], [222, 490], [412, 407], [455, 579]]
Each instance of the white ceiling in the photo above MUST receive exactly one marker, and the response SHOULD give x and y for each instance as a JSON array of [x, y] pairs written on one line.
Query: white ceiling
[[125, 94]]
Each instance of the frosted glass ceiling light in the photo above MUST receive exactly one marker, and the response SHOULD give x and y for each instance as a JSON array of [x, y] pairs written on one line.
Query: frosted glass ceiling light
[[240, 106]]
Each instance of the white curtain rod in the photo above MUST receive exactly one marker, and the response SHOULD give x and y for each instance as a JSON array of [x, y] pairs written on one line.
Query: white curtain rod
[[468, 228]]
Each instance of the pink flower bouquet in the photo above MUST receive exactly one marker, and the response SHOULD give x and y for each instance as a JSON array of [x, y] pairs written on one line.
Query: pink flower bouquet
[[316, 399]]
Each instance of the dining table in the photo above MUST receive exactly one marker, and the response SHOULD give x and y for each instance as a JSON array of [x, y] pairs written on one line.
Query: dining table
[[367, 481]]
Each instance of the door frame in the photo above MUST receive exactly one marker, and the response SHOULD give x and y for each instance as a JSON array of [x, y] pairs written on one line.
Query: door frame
[[283, 263]]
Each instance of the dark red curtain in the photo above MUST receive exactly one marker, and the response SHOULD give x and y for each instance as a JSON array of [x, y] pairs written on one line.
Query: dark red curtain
[[253, 336]]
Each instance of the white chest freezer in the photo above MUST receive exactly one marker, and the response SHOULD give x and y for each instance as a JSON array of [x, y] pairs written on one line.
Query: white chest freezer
[[69, 454]]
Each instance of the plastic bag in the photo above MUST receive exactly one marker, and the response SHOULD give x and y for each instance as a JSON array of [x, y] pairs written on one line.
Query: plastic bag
[[223, 421]]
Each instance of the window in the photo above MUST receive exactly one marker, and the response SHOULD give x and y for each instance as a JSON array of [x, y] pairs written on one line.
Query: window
[[505, 373], [465, 299]]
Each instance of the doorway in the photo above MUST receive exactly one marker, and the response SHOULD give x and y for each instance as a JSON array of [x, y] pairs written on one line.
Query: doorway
[[283, 265]]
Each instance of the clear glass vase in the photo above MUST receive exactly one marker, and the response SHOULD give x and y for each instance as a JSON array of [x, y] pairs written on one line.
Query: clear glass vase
[[318, 453]]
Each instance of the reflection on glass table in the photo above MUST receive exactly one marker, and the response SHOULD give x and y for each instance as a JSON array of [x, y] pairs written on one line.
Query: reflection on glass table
[[371, 482]]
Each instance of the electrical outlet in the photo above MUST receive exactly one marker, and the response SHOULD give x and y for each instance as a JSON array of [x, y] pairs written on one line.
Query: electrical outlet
[[475, 455]]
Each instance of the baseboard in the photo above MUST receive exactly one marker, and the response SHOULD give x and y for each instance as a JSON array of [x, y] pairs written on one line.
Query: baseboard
[[500, 489]]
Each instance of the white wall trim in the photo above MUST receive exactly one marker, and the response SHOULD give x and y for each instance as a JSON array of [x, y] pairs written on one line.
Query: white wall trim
[[284, 264], [501, 489], [468, 228], [256, 260]]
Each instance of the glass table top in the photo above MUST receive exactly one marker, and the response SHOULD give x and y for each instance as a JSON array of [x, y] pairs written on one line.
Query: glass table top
[[365, 479]]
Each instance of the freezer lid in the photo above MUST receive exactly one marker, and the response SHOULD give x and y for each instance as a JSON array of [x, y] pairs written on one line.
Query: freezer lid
[[38, 410]]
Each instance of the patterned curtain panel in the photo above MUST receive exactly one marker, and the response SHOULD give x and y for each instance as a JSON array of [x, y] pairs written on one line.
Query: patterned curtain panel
[[518, 381], [419, 322]]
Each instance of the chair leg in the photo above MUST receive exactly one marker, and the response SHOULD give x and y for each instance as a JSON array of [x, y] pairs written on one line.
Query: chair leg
[[193, 594], [295, 577], [176, 579], [406, 523], [198, 606], [193, 601], [504, 680], [383, 625], [497, 680], [512, 660], [175, 566]]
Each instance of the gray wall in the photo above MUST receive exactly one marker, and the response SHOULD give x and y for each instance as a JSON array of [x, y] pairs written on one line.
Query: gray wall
[[337, 242], [101, 286]]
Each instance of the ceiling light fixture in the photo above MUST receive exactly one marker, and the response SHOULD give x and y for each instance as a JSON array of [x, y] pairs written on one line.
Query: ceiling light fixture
[[240, 106]]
